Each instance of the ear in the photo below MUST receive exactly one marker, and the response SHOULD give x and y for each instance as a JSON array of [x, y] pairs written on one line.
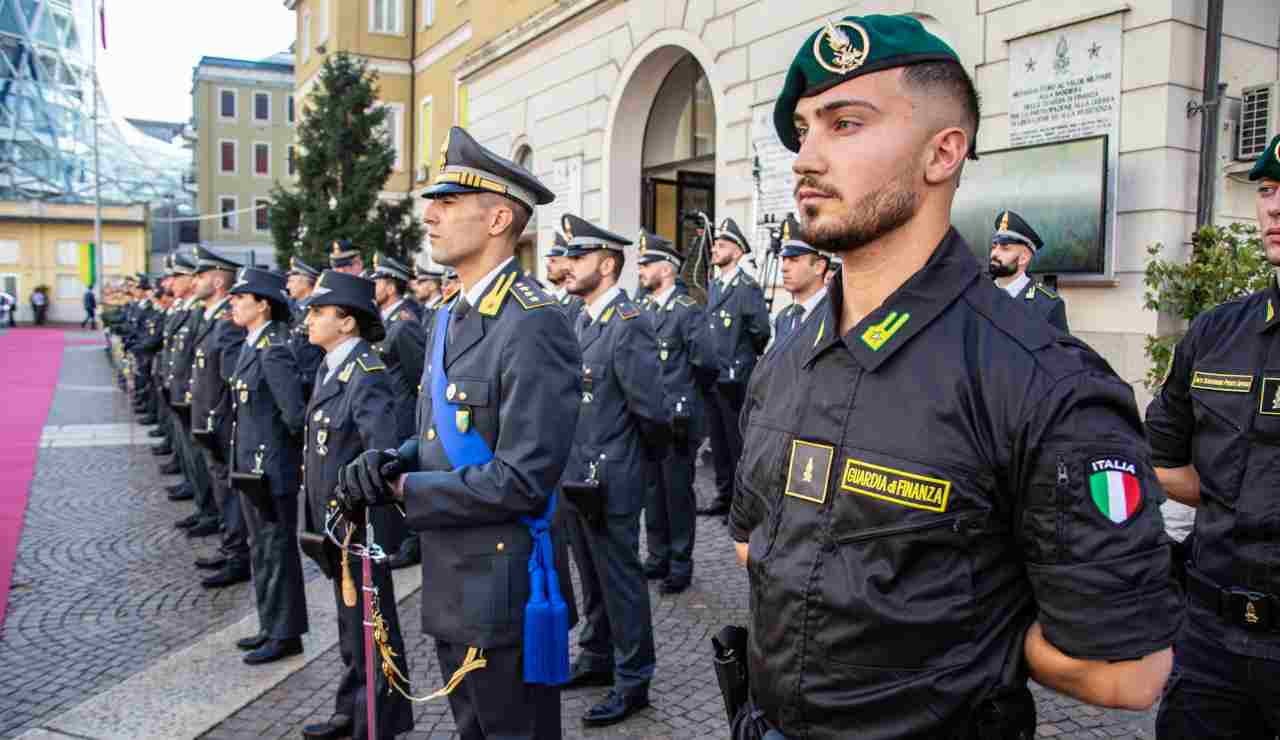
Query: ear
[[945, 155], [500, 219]]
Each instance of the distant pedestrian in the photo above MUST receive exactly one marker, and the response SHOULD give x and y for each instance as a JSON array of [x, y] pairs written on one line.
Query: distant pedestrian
[[39, 304], [90, 309], [8, 309]]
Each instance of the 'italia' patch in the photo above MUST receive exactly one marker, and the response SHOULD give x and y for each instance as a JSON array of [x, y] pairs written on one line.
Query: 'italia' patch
[[1114, 487]]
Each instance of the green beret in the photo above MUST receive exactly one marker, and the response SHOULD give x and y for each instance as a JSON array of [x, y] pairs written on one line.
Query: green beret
[[1268, 165], [848, 48]]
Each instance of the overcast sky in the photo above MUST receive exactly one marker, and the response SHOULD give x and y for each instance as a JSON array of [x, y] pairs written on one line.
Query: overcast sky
[[152, 46]]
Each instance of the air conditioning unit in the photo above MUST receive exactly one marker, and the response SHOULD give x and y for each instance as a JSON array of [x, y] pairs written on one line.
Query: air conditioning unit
[[424, 170], [1259, 119]]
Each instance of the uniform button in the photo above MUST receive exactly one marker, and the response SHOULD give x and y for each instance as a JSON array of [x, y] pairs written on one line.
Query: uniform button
[[462, 396], [501, 547], [431, 434]]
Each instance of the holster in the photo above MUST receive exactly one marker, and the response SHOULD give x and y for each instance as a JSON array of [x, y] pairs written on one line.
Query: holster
[[255, 488], [588, 498], [317, 547], [729, 647]]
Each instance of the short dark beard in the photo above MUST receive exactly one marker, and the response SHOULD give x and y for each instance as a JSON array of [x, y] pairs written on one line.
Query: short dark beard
[[998, 269], [583, 288], [875, 214]]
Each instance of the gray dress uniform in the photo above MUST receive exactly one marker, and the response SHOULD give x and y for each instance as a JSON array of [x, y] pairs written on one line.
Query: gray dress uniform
[[738, 331], [1046, 304], [268, 408], [1010, 228], [403, 351], [623, 410], [217, 342], [670, 522], [307, 355], [348, 414], [180, 365]]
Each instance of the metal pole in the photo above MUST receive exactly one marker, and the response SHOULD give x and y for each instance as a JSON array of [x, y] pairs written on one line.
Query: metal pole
[[1211, 105], [370, 678], [97, 169]]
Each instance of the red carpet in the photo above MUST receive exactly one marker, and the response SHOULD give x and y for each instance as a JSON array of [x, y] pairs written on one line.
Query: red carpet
[[29, 363]]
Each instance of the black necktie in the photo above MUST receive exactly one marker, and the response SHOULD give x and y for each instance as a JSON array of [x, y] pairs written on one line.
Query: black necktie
[[459, 312]]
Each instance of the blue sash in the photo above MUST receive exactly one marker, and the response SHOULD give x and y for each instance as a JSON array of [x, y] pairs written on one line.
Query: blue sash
[[546, 617]]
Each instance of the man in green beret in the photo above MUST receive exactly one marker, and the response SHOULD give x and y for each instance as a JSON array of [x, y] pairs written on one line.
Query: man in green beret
[[937, 496], [1213, 427]]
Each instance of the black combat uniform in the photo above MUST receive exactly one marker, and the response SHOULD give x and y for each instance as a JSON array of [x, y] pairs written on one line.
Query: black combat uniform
[[1010, 228], [904, 532], [623, 435], [1219, 411], [348, 414], [217, 343], [266, 467], [670, 523], [738, 323]]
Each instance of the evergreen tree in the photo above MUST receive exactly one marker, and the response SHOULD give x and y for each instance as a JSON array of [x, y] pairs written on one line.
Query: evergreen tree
[[343, 158]]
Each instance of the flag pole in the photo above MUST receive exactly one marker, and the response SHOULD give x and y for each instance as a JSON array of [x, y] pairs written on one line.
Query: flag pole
[[97, 173]]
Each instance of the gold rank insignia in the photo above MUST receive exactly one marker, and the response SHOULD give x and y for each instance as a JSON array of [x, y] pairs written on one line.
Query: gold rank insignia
[[877, 335], [728, 320], [462, 417], [1004, 222], [837, 51]]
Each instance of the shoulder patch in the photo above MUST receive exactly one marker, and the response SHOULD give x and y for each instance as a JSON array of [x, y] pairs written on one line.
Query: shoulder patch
[[628, 311], [530, 295], [370, 364]]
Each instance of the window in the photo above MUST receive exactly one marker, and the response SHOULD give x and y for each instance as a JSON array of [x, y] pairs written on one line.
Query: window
[[227, 104], [386, 16], [261, 214], [424, 136], [305, 36], [261, 159], [69, 287], [262, 106], [9, 250], [291, 110], [323, 32], [293, 164], [112, 254], [227, 207], [428, 13], [68, 253], [228, 149], [393, 131]]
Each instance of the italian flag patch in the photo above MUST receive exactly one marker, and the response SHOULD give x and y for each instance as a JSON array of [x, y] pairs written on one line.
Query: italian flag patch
[[1115, 489]]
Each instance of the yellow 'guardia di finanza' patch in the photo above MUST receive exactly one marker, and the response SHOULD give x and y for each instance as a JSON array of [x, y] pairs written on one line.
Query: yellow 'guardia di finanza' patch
[[895, 486]]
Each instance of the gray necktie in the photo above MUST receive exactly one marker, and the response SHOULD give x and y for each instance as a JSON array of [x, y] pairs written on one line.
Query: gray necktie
[[456, 316]]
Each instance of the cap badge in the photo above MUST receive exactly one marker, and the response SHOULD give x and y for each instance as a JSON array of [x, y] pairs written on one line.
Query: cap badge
[[337, 248], [840, 54], [786, 231], [1004, 222], [568, 228], [644, 244], [1276, 151], [444, 149]]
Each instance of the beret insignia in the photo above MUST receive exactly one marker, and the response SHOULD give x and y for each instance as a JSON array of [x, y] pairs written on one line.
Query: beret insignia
[[839, 52]]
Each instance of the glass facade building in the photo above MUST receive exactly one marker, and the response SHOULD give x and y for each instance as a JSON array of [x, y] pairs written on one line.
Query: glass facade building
[[46, 117]]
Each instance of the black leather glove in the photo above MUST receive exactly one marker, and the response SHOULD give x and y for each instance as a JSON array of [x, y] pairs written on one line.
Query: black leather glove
[[364, 477]]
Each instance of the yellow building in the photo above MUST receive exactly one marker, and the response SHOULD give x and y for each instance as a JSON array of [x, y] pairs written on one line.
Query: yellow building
[[244, 113], [415, 46], [40, 245]]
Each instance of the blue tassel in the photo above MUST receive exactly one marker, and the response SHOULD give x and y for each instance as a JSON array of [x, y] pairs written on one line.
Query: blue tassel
[[546, 617]]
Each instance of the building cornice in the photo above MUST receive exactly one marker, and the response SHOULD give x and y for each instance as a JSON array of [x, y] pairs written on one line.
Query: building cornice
[[226, 74], [381, 66], [525, 32], [442, 48]]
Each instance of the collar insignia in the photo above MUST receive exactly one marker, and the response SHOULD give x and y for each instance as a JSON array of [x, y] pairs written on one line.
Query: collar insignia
[[877, 335], [841, 54]]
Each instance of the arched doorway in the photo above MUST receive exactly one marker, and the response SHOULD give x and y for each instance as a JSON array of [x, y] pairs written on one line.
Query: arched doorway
[[679, 155]]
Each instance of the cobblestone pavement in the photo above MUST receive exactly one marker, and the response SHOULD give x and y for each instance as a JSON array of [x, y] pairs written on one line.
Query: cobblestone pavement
[[686, 700], [103, 583]]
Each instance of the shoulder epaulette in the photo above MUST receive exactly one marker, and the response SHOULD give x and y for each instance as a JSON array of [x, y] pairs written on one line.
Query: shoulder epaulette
[[370, 364], [491, 304], [531, 296], [628, 311]]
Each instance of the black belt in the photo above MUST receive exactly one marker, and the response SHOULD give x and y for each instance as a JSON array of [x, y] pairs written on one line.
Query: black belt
[[1253, 610]]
